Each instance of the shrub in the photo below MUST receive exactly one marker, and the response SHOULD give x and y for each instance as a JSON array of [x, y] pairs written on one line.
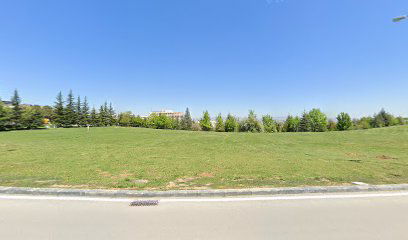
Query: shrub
[[205, 122], [269, 124], [219, 125], [344, 122], [196, 126], [382, 119], [251, 124], [231, 124]]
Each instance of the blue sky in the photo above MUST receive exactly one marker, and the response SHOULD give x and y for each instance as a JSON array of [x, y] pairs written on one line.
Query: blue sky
[[273, 56]]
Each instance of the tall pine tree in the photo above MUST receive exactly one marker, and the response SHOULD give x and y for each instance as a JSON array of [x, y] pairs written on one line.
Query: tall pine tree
[[112, 116], [70, 115], [186, 121], [85, 113], [17, 111], [78, 112], [59, 111], [305, 124], [94, 118]]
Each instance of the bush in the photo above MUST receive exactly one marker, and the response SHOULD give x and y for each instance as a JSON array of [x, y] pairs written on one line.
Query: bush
[[196, 126], [382, 119], [205, 122], [269, 124], [344, 122], [251, 124], [291, 124], [231, 124], [363, 123]]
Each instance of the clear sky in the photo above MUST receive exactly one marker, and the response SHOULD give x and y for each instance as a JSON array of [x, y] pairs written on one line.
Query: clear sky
[[273, 56]]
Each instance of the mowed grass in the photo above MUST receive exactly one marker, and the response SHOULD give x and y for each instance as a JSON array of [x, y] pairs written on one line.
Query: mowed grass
[[135, 158]]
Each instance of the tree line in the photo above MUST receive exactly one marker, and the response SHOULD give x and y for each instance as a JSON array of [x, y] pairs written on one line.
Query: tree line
[[75, 112], [311, 121], [68, 112]]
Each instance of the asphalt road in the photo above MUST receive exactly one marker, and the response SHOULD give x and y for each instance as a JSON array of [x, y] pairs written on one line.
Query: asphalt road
[[346, 218]]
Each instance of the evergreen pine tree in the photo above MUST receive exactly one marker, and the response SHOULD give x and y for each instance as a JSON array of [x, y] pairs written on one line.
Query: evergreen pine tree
[[269, 124], [59, 111], [219, 125], [85, 113], [305, 123], [78, 112], [112, 115], [94, 118], [231, 124], [17, 111], [186, 121], [70, 115], [205, 122]]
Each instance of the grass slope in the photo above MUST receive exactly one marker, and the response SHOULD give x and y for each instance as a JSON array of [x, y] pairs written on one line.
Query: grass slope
[[158, 159]]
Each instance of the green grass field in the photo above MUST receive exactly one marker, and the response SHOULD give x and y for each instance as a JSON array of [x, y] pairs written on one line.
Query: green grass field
[[158, 159]]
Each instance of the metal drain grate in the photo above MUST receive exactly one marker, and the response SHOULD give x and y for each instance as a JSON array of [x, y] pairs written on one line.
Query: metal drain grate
[[144, 203]]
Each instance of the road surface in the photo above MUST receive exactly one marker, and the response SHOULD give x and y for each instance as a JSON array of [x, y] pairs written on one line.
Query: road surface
[[347, 217]]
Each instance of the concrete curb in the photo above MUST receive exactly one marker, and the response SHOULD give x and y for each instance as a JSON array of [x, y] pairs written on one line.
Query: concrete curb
[[197, 193]]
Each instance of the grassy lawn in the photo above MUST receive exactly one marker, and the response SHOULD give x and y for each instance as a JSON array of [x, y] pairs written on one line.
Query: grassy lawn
[[158, 159]]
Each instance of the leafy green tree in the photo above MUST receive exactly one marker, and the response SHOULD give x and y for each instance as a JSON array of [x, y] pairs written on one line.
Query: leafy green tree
[[138, 122], [32, 117], [231, 124], [305, 124], [251, 124], [176, 124], [70, 113], [4, 117], [292, 124], [219, 125], [205, 122], [363, 123], [125, 119], [17, 111], [269, 124], [318, 120], [186, 121], [344, 122], [47, 112], [85, 113], [59, 111]]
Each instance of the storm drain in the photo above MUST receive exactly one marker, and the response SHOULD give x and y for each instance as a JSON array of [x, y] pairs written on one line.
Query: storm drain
[[144, 203]]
